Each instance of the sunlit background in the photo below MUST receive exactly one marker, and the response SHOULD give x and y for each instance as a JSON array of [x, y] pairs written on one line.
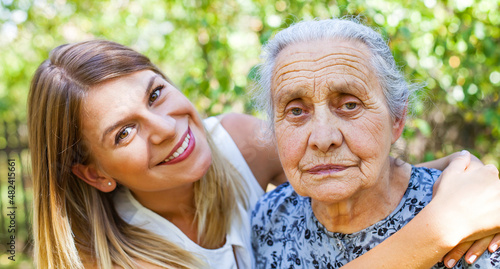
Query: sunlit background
[[208, 48]]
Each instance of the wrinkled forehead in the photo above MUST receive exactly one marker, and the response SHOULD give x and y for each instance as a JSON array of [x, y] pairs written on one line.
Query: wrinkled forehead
[[338, 63]]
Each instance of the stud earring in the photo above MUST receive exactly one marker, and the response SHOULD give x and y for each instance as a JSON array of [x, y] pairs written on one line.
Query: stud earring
[[109, 183]]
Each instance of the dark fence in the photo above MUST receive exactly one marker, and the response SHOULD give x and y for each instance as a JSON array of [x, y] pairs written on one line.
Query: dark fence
[[16, 194]]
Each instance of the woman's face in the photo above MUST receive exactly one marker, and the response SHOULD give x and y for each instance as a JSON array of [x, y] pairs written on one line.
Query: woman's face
[[332, 123], [144, 133]]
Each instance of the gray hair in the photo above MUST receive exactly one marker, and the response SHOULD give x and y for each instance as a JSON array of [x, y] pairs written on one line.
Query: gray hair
[[396, 89]]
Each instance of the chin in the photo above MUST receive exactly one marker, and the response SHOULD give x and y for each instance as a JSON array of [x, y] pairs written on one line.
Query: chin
[[330, 194]]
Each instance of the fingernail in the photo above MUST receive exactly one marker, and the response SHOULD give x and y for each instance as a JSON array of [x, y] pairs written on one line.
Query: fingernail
[[463, 152], [472, 259], [451, 263], [494, 247]]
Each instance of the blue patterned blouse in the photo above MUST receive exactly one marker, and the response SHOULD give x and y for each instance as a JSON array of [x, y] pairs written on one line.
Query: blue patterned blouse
[[286, 234]]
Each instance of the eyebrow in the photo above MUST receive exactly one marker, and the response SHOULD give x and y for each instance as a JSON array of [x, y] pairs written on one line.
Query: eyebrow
[[299, 90], [288, 94], [121, 122]]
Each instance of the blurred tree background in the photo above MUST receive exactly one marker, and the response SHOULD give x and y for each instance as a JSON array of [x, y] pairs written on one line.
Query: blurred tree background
[[208, 48]]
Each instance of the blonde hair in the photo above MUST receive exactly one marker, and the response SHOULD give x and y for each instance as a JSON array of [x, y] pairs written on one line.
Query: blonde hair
[[74, 224]]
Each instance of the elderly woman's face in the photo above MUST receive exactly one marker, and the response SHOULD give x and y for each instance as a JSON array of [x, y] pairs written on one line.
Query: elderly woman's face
[[332, 123]]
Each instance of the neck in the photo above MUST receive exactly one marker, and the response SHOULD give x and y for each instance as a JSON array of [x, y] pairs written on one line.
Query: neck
[[367, 206], [176, 205]]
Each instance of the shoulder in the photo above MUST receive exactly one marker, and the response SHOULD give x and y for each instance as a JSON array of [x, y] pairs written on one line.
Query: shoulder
[[245, 130], [236, 123], [279, 227], [418, 193], [421, 183], [425, 175], [253, 140], [277, 204]]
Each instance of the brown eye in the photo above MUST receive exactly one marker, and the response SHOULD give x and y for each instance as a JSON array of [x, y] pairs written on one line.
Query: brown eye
[[123, 134], [296, 111], [351, 106], [154, 95]]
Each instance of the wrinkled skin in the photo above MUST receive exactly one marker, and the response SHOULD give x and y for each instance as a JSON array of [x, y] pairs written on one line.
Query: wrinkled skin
[[334, 131]]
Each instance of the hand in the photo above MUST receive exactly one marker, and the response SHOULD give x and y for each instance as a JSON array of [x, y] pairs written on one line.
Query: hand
[[466, 202], [443, 163], [474, 249], [471, 249]]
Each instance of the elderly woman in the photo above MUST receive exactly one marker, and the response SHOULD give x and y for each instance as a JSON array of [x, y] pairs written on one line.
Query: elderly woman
[[337, 103]]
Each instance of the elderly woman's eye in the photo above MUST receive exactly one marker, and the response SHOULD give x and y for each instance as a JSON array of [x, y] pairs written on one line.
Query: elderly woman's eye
[[296, 111], [351, 106]]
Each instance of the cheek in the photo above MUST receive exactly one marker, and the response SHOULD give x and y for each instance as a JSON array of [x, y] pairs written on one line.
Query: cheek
[[370, 141], [178, 104], [369, 136], [188, 109], [124, 161], [292, 144]]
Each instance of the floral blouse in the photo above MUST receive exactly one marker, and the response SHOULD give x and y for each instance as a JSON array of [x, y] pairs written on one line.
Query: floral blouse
[[286, 234]]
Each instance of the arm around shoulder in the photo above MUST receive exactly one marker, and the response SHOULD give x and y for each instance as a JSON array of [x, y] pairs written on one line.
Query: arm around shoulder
[[409, 247]]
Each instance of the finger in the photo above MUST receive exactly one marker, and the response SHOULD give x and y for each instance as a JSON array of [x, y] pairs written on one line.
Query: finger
[[457, 165], [456, 254], [493, 169], [477, 249], [460, 163], [475, 163], [494, 243]]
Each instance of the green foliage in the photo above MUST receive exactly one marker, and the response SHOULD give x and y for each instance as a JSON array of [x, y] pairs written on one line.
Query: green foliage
[[208, 48]]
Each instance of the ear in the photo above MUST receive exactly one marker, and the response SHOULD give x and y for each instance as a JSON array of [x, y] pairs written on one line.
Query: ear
[[398, 126], [92, 176]]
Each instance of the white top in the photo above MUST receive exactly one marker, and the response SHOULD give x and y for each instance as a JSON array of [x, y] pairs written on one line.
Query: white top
[[239, 235]]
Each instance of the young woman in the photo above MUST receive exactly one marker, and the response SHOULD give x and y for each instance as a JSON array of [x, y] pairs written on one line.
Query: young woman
[[127, 175]]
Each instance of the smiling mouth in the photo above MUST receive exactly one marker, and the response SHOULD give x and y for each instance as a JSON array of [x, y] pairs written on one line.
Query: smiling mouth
[[182, 150]]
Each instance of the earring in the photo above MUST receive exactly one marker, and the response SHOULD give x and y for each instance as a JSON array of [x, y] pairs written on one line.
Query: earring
[[109, 183]]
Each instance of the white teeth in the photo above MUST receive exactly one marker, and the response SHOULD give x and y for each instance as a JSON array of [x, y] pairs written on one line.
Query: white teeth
[[181, 149]]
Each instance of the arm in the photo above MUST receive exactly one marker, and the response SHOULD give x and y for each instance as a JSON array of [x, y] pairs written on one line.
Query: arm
[[471, 249], [409, 247], [257, 147], [474, 191], [442, 163]]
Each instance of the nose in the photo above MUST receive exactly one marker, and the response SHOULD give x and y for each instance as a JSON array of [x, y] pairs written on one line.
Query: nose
[[325, 130], [162, 127]]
